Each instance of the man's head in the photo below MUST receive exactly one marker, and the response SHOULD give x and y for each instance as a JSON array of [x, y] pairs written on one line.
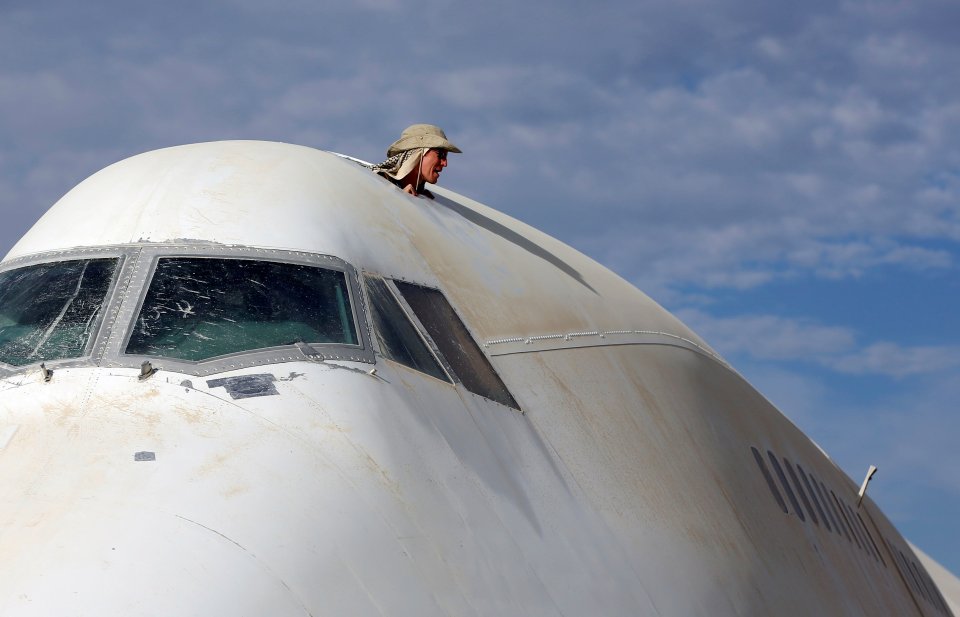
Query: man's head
[[418, 157]]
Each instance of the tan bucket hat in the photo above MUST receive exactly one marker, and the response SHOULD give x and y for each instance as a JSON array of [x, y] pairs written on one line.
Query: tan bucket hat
[[421, 136]]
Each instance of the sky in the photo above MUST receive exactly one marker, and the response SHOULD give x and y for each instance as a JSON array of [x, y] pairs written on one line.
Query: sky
[[784, 177]]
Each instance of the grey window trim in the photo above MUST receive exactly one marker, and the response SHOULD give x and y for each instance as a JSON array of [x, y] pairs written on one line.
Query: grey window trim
[[101, 330], [374, 343], [129, 288]]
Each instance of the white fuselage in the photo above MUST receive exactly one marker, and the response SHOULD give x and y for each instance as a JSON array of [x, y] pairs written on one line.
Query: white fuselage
[[633, 472]]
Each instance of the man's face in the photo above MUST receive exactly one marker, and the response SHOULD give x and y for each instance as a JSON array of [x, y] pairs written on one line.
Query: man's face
[[432, 164]]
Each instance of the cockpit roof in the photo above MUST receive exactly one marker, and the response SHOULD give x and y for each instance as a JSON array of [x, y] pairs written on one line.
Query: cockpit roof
[[506, 278]]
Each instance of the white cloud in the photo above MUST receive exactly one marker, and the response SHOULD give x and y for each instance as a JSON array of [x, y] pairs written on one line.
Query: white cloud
[[897, 361], [770, 337], [839, 260], [770, 47]]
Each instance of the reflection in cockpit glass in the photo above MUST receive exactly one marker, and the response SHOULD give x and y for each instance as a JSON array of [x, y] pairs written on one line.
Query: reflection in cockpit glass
[[48, 311], [200, 308]]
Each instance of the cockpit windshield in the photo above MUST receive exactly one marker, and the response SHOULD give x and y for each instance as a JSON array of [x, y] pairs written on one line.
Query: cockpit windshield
[[49, 311], [198, 308]]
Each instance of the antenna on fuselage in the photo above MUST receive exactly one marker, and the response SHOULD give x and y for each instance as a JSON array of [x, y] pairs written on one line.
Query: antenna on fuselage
[[863, 487]]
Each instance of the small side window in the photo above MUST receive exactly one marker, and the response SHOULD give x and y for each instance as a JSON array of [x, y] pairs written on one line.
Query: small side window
[[847, 524], [770, 483], [813, 496], [786, 485], [456, 345], [398, 338], [800, 491], [833, 508]]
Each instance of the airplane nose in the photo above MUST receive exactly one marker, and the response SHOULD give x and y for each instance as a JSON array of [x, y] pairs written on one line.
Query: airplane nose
[[139, 499], [98, 561]]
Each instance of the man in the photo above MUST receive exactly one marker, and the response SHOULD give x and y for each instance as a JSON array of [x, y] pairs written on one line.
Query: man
[[417, 158]]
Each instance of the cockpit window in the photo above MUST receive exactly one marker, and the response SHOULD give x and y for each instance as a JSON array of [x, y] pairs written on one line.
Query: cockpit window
[[49, 311], [455, 343], [199, 308], [398, 337]]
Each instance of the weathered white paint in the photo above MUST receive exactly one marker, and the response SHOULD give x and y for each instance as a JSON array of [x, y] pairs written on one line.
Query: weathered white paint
[[948, 583], [627, 486]]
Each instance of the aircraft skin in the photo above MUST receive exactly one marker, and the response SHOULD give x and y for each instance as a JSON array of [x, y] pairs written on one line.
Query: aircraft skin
[[639, 474]]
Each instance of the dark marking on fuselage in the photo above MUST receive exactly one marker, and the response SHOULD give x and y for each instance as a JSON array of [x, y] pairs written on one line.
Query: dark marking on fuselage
[[246, 386]]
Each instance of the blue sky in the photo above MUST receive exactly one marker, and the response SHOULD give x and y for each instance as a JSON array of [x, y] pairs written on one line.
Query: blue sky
[[785, 178]]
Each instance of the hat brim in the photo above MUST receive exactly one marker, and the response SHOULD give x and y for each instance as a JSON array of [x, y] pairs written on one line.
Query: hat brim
[[421, 141]]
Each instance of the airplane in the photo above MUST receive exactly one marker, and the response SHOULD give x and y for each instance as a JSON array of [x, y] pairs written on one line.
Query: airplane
[[254, 378]]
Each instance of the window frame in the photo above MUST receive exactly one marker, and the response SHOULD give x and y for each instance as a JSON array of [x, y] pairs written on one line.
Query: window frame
[[143, 274], [99, 332], [418, 328], [421, 330]]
